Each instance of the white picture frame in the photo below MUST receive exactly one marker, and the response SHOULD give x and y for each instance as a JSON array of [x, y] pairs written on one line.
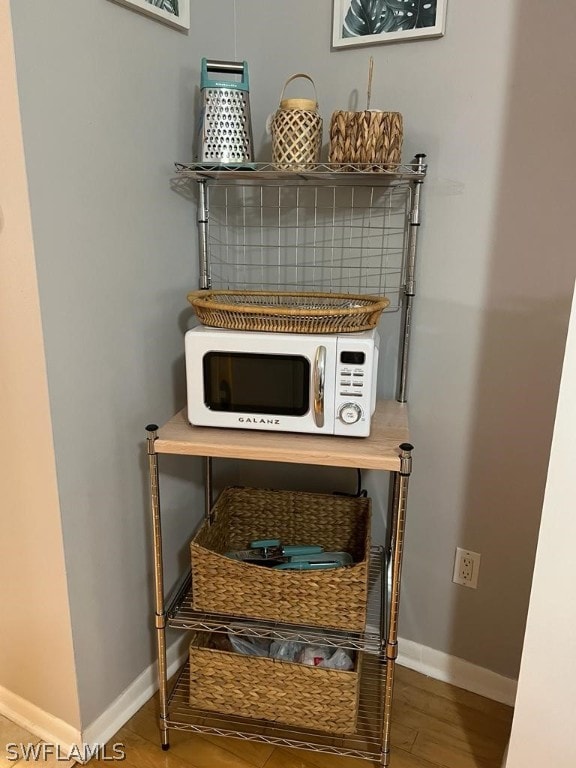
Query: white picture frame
[[179, 20], [352, 19]]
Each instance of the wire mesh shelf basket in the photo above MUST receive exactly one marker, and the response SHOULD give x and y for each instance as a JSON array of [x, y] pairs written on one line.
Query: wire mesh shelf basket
[[287, 312], [314, 237]]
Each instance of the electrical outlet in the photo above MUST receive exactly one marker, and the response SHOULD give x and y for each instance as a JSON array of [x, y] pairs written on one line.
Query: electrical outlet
[[466, 567]]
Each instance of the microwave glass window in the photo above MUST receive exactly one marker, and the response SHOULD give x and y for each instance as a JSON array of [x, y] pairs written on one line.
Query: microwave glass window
[[249, 383]]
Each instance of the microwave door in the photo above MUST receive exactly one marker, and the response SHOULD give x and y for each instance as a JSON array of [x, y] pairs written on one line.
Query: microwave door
[[272, 381]]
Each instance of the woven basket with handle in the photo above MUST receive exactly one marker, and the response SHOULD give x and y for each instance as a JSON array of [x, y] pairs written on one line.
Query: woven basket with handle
[[296, 131]]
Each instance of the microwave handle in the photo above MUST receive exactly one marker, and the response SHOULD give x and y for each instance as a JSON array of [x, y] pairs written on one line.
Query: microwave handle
[[318, 381]]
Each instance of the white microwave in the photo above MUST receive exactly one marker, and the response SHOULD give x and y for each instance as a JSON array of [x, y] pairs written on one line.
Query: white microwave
[[287, 382]]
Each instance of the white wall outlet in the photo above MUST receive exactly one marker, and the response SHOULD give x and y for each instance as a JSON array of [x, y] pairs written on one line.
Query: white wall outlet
[[466, 567]]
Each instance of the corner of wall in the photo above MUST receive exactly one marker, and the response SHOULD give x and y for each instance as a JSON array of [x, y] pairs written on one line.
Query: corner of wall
[[37, 670]]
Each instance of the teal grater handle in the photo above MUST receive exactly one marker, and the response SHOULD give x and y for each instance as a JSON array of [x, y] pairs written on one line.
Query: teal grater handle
[[224, 67]]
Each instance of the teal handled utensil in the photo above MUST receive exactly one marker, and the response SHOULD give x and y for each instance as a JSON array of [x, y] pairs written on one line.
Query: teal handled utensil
[[316, 562], [272, 551]]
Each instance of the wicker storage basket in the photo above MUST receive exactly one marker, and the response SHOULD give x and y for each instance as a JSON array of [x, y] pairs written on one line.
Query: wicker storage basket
[[270, 689], [367, 140], [330, 598], [288, 312], [296, 131]]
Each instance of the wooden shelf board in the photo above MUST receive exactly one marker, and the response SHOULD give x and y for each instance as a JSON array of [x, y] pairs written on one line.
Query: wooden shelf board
[[379, 451]]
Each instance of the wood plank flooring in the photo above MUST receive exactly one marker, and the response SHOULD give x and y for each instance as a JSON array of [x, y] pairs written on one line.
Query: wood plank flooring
[[435, 725], [12, 735]]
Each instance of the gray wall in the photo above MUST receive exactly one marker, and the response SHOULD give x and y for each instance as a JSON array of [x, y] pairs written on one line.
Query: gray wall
[[106, 97], [488, 104], [107, 100]]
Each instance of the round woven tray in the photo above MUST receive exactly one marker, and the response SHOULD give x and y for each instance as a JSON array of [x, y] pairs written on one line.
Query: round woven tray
[[288, 312]]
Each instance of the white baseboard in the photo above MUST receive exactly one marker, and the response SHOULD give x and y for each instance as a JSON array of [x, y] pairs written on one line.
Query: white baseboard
[[134, 697], [52, 730], [455, 671], [38, 722]]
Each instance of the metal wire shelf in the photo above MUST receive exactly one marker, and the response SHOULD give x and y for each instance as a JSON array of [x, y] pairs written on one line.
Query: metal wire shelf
[[340, 173], [181, 615], [365, 742]]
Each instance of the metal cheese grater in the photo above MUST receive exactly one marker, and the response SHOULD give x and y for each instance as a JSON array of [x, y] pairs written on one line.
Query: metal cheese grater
[[225, 134]]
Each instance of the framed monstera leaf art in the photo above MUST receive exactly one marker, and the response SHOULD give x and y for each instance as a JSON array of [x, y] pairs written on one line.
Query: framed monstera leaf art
[[176, 13], [364, 22]]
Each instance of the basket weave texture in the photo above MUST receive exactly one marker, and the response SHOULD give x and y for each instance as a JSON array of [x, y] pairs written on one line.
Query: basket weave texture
[[273, 690], [296, 131], [285, 312], [365, 138], [329, 598]]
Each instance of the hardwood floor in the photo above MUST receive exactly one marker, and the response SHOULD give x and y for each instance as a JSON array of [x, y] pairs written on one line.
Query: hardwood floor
[[12, 736], [435, 725]]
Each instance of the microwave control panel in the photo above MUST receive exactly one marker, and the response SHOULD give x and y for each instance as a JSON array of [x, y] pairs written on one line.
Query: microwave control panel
[[355, 382]]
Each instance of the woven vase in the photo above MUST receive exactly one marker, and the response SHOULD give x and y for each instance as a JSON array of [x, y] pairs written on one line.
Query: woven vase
[[296, 131], [368, 140]]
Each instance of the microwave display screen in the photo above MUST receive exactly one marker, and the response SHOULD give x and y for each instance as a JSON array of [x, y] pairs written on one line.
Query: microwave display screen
[[353, 358], [255, 383]]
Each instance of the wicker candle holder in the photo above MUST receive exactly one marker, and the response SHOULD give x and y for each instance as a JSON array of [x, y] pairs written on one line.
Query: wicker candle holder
[[366, 140], [296, 131]]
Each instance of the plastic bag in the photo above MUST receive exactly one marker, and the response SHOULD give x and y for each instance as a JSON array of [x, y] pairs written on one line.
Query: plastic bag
[[249, 646], [327, 657], [315, 655], [285, 650], [340, 659], [290, 650]]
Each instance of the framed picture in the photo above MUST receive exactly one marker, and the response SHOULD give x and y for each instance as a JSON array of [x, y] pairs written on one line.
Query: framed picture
[[365, 22], [176, 13]]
